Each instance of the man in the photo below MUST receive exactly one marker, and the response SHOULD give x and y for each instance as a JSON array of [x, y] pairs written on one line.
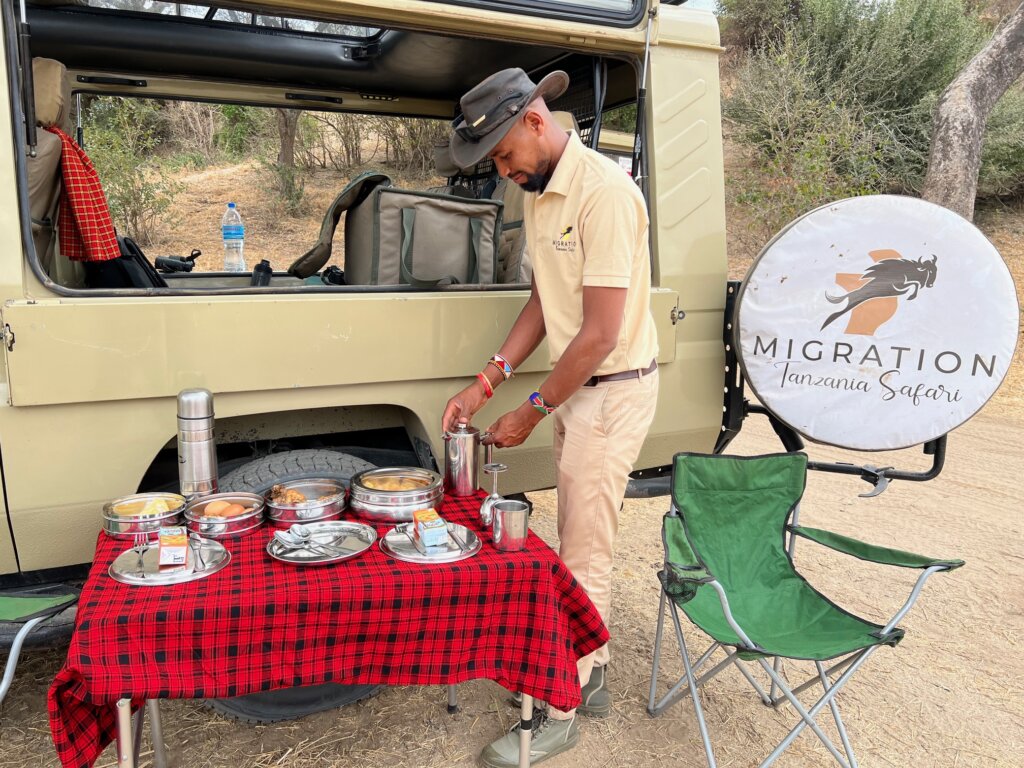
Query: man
[[586, 228]]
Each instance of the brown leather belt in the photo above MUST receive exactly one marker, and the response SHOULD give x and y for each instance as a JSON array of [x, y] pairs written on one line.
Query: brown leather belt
[[634, 373]]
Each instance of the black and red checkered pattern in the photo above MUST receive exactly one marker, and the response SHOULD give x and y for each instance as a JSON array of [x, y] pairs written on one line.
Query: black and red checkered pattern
[[518, 618]]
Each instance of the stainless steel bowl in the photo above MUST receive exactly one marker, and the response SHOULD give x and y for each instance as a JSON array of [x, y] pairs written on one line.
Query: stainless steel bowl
[[225, 527], [370, 500], [125, 517], [325, 500]]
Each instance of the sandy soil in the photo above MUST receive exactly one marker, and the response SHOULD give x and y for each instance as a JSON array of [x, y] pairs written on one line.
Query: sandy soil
[[947, 696]]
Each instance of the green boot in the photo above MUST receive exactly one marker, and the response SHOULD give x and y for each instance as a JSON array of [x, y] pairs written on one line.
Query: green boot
[[596, 701], [550, 737]]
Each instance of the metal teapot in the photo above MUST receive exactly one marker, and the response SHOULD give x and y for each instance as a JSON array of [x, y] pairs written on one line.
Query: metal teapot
[[462, 460]]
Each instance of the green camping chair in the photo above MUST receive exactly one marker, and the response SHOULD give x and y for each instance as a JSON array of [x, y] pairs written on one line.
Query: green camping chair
[[30, 609], [728, 566]]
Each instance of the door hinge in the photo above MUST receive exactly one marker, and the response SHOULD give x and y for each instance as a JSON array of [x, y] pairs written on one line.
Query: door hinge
[[676, 315], [8, 337]]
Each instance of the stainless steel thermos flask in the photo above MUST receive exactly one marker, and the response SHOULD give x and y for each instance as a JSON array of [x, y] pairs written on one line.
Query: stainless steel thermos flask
[[197, 452], [461, 460]]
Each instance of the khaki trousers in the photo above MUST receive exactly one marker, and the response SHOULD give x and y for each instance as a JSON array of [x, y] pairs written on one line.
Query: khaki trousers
[[598, 435]]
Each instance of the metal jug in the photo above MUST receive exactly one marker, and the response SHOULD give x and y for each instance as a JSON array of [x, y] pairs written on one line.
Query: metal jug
[[462, 460]]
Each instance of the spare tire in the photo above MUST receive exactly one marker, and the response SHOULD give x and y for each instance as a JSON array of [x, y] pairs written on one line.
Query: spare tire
[[257, 477]]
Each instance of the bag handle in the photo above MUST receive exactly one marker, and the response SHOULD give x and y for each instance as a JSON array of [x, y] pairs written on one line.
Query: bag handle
[[405, 265]]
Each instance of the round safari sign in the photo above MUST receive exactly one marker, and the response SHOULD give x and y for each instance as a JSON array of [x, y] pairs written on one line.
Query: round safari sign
[[877, 322]]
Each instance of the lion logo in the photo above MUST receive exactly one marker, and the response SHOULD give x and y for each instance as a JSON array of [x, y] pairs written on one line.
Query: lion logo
[[890, 277], [565, 233]]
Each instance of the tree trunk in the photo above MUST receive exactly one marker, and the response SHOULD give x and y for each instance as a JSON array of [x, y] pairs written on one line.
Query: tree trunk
[[287, 124], [962, 114]]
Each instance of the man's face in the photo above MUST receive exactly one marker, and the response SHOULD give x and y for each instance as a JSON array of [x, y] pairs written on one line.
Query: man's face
[[523, 157]]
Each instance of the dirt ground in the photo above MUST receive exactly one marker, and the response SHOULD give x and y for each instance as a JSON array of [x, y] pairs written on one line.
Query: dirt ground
[[949, 695]]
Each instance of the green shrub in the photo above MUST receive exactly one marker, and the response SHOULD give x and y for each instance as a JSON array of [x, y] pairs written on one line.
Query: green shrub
[[121, 138], [1002, 155], [841, 103], [752, 23], [240, 128]]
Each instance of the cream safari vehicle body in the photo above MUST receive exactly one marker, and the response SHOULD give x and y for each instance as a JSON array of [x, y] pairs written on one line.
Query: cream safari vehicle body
[[324, 378]]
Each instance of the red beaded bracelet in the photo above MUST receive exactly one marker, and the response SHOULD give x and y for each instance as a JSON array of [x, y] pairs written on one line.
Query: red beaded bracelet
[[488, 389]]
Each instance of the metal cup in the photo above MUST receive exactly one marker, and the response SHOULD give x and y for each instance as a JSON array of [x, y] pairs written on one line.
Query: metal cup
[[511, 524]]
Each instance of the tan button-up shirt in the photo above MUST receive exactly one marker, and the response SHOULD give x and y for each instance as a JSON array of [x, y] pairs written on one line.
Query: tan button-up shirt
[[589, 227]]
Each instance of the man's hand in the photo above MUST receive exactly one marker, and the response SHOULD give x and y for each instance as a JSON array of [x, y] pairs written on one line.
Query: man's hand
[[463, 406], [514, 427]]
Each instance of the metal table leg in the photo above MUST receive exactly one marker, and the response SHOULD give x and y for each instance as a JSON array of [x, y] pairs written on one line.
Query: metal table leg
[[156, 734], [525, 731], [125, 740], [453, 699]]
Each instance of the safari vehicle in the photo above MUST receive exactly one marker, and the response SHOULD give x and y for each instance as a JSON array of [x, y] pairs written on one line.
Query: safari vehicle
[[91, 374]]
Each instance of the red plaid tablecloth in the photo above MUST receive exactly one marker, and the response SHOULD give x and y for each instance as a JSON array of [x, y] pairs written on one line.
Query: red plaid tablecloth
[[518, 618]]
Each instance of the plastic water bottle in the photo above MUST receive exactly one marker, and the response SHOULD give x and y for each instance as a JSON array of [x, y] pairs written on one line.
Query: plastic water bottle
[[233, 231]]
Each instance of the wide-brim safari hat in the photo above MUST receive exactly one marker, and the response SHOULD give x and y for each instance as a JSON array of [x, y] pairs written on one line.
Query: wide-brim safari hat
[[491, 109]]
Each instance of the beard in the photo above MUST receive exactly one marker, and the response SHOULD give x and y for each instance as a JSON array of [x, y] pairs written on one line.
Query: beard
[[535, 182]]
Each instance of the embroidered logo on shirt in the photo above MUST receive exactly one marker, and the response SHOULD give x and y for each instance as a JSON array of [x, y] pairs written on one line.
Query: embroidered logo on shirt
[[565, 242]]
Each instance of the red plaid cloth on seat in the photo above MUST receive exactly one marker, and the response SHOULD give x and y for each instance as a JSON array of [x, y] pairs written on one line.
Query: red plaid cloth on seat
[[518, 618], [86, 230]]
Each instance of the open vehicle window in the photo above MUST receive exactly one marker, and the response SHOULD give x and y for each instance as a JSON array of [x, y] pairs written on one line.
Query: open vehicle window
[[619, 13], [232, 16], [169, 168]]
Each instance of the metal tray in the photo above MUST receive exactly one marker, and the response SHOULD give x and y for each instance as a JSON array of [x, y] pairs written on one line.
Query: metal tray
[[355, 538], [212, 558], [399, 544]]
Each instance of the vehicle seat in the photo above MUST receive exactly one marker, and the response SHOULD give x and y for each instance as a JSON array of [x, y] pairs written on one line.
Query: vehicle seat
[[52, 100]]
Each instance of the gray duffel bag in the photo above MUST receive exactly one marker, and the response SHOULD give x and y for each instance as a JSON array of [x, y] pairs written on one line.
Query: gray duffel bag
[[398, 237]]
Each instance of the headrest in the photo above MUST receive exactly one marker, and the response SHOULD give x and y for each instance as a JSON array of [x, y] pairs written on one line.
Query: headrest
[[566, 121], [51, 90], [443, 163]]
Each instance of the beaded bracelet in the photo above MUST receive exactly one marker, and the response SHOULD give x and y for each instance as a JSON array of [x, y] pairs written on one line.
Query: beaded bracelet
[[488, 389], [503, 365], [537, 401]]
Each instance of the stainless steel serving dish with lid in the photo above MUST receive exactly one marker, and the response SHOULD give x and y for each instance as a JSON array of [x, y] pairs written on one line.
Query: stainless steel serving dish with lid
[[392, 494], [325, 499], [141, 513], [225, 527]]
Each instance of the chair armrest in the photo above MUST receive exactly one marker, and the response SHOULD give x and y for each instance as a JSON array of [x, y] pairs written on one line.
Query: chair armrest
[[871, 552]]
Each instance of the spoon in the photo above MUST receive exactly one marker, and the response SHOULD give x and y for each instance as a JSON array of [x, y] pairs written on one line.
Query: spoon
[[298, 537]]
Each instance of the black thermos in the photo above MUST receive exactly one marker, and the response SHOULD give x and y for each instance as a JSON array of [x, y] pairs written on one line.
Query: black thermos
[[262, 273]]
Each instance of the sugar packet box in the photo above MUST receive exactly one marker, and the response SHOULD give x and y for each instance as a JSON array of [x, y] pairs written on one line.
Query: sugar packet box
[[173, 545], [430, 530]]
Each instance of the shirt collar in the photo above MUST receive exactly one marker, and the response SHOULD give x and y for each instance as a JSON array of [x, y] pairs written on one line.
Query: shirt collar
[[570, 160]]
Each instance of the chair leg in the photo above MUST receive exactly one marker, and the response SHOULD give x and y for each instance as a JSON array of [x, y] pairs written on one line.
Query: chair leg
[[826, 685], [773, 698], [658, 632], [807, 716], [12, 657], [677, 692], [765, 698], [696, 700]]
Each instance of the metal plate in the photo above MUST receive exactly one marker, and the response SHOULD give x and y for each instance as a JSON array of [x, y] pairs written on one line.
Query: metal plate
[[354, 538], [462, 544], [125, 568]]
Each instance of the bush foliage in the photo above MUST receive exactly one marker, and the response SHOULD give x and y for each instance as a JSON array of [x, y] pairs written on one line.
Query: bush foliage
[[837, 100]]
